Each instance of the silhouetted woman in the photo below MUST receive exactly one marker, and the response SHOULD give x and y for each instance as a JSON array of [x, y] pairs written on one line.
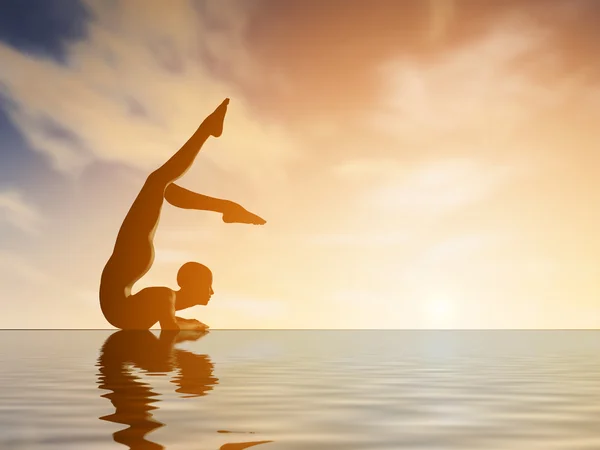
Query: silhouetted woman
[[133, 253]]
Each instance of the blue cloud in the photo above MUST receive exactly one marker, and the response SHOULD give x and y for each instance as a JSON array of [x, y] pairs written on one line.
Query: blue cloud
[[17, 160], [42, 26]]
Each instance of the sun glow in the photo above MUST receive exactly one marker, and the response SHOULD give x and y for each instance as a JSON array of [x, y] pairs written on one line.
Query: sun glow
[[439, 310]]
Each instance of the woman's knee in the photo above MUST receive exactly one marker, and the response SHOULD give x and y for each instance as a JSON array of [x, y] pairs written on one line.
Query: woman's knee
[[159, 179]]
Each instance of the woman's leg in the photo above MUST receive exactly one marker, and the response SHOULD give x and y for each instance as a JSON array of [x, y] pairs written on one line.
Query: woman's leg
[[143, 216], [151, 305], [144, 309], [181, 161], [186, 199], [232, 212], [134, 253]]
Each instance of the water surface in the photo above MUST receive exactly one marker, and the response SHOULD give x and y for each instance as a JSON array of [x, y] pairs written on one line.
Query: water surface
[[300, 390]]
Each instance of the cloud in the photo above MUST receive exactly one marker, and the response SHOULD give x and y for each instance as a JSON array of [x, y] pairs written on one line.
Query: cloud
[[40, 300], [367, 239], [138, 87], [459, 125], [11, 263], [441, 15], [16, 211], [332, 49], [477, 86], [429, 187], [440, 187], [360, 169]]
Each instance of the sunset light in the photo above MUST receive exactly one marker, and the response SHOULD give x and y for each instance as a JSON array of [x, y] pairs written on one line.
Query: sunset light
[[434, 162]]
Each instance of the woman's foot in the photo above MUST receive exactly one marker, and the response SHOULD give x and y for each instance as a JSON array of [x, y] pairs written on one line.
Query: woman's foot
[[213, 124], [238, 214]]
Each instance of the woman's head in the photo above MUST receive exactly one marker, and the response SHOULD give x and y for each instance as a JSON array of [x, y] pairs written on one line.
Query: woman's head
[[195, 280]]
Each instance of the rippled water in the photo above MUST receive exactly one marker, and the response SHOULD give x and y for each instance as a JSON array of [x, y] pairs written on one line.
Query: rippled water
[[300, 390]]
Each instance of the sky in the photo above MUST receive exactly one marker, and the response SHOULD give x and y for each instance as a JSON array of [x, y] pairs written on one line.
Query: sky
[[426, 164]]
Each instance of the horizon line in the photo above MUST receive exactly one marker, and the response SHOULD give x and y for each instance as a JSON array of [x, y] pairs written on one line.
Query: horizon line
[[315, 329]]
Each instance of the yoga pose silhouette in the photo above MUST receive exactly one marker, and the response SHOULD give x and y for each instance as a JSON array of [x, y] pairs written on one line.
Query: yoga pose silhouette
[[133, 253]]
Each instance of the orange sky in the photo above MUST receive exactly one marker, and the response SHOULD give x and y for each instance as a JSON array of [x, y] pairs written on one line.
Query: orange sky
[[420, 165]]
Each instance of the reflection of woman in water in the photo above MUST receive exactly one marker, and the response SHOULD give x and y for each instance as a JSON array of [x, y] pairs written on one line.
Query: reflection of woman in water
[[134, 252], [132, 398]]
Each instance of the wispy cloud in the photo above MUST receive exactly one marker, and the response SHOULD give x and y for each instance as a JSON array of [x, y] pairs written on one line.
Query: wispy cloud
[[365, 239], [139, 86], [16, 266], [16, 211], [480, 86], [439, 187]]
